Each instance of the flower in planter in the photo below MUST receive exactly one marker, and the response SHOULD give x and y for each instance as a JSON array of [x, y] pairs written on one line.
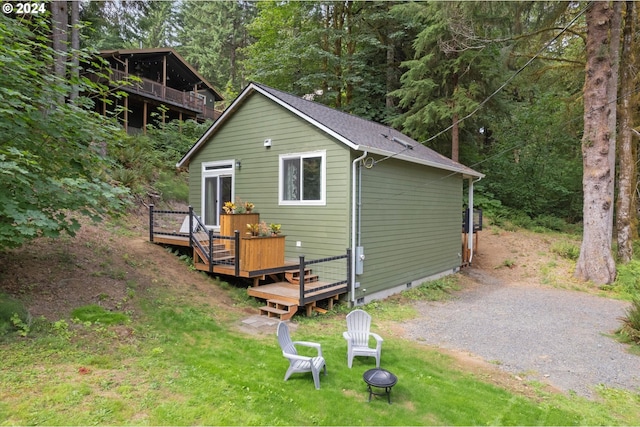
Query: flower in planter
[[229, 207], [264, 229], [243, 207], [275, 229], [254, 229]]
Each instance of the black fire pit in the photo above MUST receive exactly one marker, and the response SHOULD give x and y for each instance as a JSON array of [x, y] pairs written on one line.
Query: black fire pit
[[382, 379]]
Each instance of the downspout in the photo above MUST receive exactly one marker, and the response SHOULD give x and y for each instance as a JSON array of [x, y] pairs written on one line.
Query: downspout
[[354, 196], [470, 219]]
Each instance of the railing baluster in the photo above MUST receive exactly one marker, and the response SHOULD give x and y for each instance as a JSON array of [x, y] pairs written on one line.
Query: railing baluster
[[210, 233], [301, 273], [190, 226], [236, 239], [151, 222]]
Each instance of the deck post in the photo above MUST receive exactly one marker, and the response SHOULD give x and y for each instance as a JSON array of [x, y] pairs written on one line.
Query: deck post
[[151, 222], [302, 279], [190, 226], [210, 232], [236, 239]]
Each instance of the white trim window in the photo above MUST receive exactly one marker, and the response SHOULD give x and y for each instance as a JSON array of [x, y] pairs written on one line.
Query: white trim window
[[302, 178]]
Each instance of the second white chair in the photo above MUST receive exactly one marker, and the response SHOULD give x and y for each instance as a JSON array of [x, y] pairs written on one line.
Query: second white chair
[[358, 335]]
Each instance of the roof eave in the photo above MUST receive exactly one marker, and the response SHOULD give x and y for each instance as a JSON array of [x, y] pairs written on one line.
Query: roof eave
[[466, 172]]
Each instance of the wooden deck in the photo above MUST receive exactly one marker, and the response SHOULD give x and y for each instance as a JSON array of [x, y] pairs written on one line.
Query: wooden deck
[[283, 297]]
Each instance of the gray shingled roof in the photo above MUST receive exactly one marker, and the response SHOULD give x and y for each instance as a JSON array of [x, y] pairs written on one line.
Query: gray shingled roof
[[358, 133]]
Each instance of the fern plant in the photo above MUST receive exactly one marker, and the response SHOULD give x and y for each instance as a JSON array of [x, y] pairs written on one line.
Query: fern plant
[[631, 323]]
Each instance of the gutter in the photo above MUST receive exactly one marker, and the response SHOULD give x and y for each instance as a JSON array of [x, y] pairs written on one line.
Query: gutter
[[353, 225]]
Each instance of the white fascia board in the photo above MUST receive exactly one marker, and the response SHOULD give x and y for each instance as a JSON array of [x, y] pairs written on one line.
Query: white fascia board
[[419, 161]]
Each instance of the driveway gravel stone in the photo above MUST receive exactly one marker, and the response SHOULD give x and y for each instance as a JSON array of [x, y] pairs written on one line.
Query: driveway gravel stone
[[551, 335]]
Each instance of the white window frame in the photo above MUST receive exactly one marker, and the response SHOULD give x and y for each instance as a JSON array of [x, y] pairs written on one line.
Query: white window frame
[[212, 169], [323, 179]]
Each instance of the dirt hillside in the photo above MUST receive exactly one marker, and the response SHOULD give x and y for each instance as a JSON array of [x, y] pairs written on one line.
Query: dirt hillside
[[106, 264]]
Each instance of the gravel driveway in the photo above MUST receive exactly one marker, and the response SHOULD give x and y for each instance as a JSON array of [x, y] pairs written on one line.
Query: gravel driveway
[[546, 334]]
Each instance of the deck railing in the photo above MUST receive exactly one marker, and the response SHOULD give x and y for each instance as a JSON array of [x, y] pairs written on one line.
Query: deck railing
[[159, 92], [188, 225], [335, 271]]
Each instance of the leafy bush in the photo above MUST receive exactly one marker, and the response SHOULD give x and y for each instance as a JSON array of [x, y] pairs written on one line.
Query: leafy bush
[[12, 314], [628, 278], [631, 323], [173, 186], [96, 314]]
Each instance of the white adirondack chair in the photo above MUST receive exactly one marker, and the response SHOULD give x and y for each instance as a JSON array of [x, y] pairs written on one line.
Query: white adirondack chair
[[358, 335], [298, 363]]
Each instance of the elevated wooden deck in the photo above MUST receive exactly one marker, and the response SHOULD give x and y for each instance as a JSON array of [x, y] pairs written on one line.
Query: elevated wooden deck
[[261, 259]]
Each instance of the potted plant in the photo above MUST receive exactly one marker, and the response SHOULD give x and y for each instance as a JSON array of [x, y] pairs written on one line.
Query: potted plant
[[275, 229]]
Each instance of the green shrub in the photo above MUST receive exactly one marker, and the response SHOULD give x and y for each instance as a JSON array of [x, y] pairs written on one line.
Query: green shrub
[[173, 187], [550, 222], [628, 278], [96, 314], [12, 314], [566, 250], [631, 323]]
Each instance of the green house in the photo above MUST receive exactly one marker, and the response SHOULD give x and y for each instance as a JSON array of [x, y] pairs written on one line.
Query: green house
[[335, 181]]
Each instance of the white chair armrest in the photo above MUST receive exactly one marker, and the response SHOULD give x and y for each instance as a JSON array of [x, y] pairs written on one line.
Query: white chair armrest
[[297, 357], [377, 337], [315, 345]]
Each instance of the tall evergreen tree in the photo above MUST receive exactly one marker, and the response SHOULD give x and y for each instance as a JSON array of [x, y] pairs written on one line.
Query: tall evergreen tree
[[212, 37], [454, 68]]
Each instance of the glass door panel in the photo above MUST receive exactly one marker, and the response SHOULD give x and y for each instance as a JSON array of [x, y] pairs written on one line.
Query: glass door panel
[[218, 189]]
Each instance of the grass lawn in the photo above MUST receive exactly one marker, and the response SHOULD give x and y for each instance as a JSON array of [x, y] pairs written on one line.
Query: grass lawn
[[179, 364]]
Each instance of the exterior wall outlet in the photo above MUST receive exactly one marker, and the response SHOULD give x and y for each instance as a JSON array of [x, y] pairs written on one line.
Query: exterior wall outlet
[[267, 142], [299, 244]]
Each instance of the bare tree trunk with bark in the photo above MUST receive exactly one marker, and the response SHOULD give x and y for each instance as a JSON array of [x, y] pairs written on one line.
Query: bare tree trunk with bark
[[596, 262], [75, 48], [626, 219], [59, 36]]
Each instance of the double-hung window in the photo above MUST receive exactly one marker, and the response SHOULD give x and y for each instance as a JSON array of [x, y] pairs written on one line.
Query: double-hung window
[[303, 178]]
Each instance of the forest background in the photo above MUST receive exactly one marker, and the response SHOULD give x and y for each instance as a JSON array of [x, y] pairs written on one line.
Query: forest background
[[498, 86]]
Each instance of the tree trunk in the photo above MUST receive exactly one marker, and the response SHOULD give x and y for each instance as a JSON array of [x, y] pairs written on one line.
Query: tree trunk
[[595, 262], [59, 35], [75, 48], [626, 220], [455, 127]]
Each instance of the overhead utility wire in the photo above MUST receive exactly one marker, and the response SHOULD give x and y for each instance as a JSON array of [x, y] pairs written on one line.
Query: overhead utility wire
[[513, 76]]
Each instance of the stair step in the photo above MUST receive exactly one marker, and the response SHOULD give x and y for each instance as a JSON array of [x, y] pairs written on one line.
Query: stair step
[[291, 275], [310, 278], [282, 305], [272, 311]]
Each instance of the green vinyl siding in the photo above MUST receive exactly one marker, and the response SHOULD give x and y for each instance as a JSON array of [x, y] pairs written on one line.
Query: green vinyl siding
[[411, 221], [322, 230]]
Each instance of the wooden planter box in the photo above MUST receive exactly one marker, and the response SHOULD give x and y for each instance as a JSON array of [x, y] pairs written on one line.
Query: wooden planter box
[[229, 223], [258, 253]]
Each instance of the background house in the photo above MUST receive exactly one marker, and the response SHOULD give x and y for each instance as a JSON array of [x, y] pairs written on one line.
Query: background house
[[166, 79], [335, 181]]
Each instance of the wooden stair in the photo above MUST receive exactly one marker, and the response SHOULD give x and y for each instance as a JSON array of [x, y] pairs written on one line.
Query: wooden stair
[[283, 310], [293, 276]]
